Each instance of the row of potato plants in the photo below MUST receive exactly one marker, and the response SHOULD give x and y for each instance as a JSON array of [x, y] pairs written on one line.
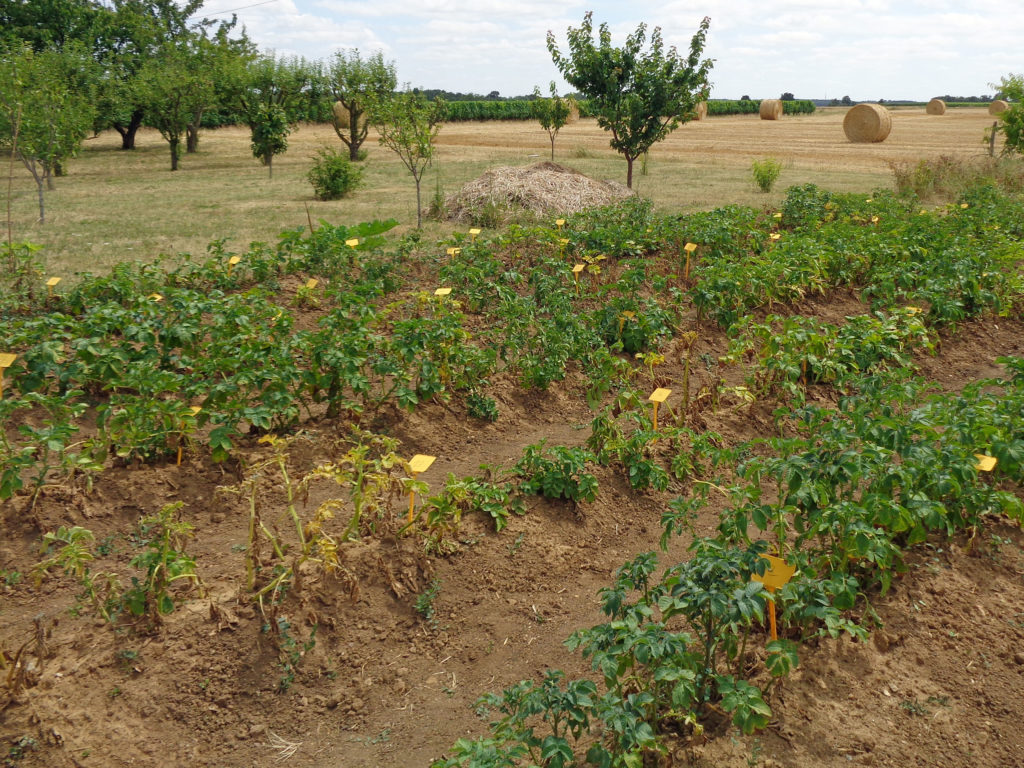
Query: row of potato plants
[[843, 499], [220, 339]]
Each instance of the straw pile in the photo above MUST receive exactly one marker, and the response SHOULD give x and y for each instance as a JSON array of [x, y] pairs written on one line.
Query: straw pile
[[771, 109], [541, 188], [867, 123], [998, 106], [701, 109], [936, 107]]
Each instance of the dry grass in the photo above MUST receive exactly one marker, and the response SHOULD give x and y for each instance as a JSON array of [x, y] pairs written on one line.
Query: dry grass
[[541, 189], [118, 205]]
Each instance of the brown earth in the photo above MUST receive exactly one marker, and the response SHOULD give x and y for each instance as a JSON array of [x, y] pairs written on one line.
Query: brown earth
[[940, 683]]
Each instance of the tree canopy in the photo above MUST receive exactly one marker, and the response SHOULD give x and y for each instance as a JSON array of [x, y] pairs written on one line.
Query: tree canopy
[[355, 83], [640, 95]]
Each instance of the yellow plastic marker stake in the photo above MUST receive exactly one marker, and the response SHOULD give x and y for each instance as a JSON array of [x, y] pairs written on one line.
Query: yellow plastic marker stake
[[155, 297], [774, 235], [874, 219], [777, 215], [312, 283], [473, 233], [576, 270], [417, 464], [658, 396], [442, 292], [560, 223], [50, 285], [913, 310], [985, 463], [6, 361], [453, 252], [963, 205], [562, 242], [232, 262], [775, 577], [689, 248], [352, 242]]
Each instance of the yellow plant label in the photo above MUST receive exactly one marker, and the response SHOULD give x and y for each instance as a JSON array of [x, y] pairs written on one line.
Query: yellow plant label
[[913, 310], [564, 241], [312, 283], [923, 212], [453, 251], [352, 242], [560, 223], [874, 219], [775, 235], [777, 574], [474, 232], [690, 247], [7, 359], [577, 268], [234, 260], [660, 395], [963, 205], [442, 291], [777, 215], [195, 409], [52, 282], [869, 200], [629, 315], [156, 297], [985, 463], [420, 463]]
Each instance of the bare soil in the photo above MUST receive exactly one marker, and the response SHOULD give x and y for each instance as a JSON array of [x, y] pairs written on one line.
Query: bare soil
[[940, 682]]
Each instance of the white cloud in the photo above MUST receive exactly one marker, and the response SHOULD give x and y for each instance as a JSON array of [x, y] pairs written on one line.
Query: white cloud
[[864, 48]]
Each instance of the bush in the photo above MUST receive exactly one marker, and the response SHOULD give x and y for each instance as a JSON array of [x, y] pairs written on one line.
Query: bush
[[333, 176], [766, 173]]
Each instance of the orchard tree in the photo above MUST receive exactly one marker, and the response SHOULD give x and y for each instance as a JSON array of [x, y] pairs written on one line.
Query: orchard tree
[[787, 96], [408, 124], [354, 84], [1011, 120], [553, 113], [174, 85], [639, 95], [270, 131], [46, 109]]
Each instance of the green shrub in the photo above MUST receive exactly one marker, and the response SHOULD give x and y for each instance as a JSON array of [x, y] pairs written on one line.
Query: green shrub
[[333, 176], [766, 173]]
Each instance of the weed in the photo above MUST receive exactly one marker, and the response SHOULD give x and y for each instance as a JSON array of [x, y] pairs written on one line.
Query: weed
[[291, 651], [766, 173], [481, 407], [516, 545], [425, 602]]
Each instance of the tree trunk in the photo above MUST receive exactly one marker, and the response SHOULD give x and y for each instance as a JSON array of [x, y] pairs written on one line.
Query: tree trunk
[[191, 139], [419, 211], [629, 172], [128, 131], [42, 208], [174, 154], [270, 166], [552, 148]]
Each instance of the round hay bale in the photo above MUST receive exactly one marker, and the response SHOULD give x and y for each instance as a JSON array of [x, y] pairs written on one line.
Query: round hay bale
[[867, 123], [771, 109], [936, 107], [701, 109], [341, 116], [574, 112], [998, 106]]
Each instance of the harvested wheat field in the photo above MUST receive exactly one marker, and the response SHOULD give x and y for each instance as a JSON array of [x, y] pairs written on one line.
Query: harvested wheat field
[[217, 548]]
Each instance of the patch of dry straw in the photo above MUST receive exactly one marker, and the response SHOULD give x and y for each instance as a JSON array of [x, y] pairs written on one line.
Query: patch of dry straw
[[542, 188]]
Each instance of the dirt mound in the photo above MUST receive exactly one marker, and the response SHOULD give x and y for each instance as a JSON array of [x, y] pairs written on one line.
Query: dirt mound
[[542, 188]]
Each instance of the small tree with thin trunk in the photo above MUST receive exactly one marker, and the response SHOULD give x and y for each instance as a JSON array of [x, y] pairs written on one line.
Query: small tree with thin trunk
[[354, 84], [270, 131], [1011, 120], [639, 95], [408, 124], [553, 113], [45, 109]]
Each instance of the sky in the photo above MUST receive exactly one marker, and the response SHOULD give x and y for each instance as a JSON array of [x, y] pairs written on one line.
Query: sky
[[816, 49]]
